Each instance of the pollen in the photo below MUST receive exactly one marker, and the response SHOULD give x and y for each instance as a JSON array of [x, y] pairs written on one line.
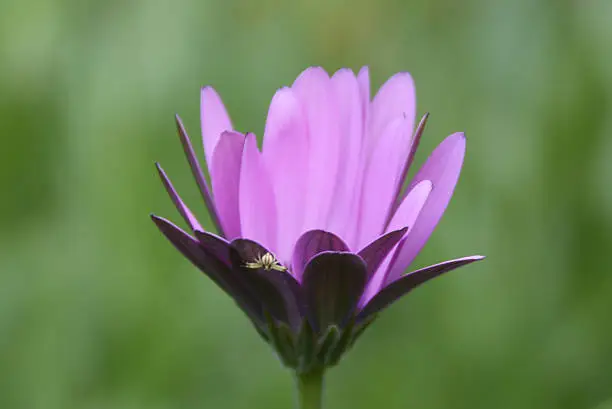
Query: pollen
[[267, 262]]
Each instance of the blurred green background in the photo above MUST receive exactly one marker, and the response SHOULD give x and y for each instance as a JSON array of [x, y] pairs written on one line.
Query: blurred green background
[[97, 310]]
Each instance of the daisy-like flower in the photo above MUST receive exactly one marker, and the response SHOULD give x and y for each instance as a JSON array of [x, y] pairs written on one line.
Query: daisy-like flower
[[315, 232]]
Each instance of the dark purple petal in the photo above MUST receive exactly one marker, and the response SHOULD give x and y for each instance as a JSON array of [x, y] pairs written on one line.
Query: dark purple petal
[[332, 285], [198, 174], [278, 291], [211, 255], [309, 245], [182, 208], [374, 253], [404, 284], [399, 196], [215, 245]]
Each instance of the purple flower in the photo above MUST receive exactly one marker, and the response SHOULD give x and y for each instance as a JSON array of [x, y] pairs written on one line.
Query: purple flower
[[315, 231]]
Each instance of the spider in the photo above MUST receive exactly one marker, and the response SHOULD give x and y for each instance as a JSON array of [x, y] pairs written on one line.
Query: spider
[[267, 262]]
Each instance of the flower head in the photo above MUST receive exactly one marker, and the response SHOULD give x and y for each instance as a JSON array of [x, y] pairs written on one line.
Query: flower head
[[315, 231]]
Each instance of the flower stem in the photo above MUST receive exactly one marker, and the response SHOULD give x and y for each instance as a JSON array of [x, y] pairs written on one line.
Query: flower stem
[[310, 390]]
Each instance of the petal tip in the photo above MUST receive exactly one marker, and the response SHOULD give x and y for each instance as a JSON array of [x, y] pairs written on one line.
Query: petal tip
[[250, 139], [458, 137], [344, 71], [470, 259], [404, 74], [404, 77], [455, 143], [317, 68], [180, 126], [231, 133], [317, 71]]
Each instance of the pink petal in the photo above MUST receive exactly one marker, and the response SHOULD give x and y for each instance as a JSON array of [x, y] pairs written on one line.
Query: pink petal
[[314, 91], [182, 208], [285, 154], [382, 177], [412, 206], [350, 231], [256, 198], [225, 179], [363, 78], [442, 169], [346, 197], [395, 98], [406, 216], [215, 120], [414, 145]]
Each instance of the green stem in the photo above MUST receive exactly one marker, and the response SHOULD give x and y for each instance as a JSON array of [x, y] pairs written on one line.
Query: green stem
[[310, 390]]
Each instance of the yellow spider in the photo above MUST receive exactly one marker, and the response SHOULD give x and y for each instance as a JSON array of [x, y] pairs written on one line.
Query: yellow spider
[[267, 262]]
